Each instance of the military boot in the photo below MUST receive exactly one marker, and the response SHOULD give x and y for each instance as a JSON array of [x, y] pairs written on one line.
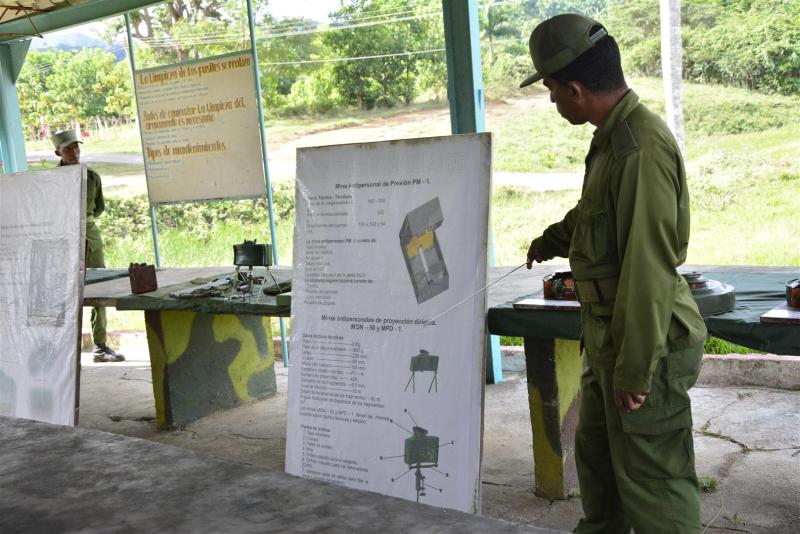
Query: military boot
[[104, 353]]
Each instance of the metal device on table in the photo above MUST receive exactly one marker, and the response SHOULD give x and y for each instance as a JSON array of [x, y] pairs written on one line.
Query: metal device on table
[[559, 286], [251, 254], [711, 296], [793, 293], [142, 277]]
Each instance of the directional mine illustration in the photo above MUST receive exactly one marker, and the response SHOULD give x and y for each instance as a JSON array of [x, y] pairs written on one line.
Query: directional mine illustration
[[422, 363], [421, 451]]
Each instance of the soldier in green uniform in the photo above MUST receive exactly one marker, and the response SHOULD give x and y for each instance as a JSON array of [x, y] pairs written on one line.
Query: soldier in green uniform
[[68, 148], [642, 334]]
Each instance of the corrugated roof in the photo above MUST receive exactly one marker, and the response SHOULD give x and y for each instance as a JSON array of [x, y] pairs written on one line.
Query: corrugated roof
[[16, 9]]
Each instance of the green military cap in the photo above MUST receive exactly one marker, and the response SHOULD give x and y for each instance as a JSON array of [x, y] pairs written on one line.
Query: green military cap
[[558, 41], [65, 138]]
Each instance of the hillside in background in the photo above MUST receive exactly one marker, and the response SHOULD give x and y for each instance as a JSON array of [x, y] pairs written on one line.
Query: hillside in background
[[74, 42]]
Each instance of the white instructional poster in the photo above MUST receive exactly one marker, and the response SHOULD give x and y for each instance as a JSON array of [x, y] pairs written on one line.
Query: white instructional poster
[[389, 235], [42, 235], [200, 133]]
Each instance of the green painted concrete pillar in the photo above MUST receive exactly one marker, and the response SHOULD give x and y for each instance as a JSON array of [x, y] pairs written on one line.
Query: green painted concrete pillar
[[464, 73], [465, 93], [12, 139]]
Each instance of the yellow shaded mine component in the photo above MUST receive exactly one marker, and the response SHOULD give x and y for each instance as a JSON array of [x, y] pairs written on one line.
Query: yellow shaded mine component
[[247, 362], [425, 241]]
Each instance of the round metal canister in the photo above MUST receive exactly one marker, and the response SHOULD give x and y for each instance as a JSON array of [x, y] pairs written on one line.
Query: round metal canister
[[250, 254], [793, 293], [711, 296], [559, 286]]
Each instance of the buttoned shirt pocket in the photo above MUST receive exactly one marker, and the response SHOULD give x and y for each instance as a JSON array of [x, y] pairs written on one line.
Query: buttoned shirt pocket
[[593, 242]]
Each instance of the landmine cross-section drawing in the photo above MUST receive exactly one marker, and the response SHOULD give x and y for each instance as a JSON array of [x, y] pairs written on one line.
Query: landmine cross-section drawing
[[422, 252]]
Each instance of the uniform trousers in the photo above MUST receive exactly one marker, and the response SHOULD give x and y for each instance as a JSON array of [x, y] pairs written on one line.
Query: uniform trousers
[[636, 469]]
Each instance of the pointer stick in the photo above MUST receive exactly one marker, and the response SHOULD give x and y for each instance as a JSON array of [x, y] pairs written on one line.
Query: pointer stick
[[477, 292]]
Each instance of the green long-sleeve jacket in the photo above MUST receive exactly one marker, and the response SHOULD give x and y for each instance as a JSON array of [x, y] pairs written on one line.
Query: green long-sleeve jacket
[[95, 205], [625, 239]]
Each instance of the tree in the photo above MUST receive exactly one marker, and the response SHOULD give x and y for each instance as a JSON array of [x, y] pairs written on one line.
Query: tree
[[750, 43], [57, 87], [35, 102], [182, 29], [544, 9], [496, 21], [391, 78]]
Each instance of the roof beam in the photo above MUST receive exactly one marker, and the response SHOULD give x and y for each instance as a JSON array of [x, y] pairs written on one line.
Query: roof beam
[[66, 17]]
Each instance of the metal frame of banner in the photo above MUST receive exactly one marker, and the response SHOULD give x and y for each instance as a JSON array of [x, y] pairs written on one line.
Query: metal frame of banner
[[153, 213], [267, 183]]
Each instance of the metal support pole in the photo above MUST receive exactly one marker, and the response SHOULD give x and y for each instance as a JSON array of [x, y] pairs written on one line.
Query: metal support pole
[[464, 72], [672, 68], [465, 93], [154, 228], [12, 137], [153, 212], [267, 183]]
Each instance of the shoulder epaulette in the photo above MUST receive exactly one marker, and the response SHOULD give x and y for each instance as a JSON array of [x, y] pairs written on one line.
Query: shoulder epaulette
[[623, 141]]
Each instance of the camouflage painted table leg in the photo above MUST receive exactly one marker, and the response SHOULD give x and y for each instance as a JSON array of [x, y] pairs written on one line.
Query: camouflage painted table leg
[[203, 362], [554, 371]]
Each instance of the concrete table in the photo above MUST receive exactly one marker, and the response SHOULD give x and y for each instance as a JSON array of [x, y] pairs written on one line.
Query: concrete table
[[207, 353], [554, 363]]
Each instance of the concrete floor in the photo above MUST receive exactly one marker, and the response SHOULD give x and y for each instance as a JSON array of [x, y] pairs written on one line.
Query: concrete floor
[[747, 443]]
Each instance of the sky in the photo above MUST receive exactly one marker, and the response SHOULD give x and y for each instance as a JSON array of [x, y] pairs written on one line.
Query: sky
[[314, 9]]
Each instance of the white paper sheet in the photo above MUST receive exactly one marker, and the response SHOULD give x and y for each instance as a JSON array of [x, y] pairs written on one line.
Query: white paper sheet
[[42, 235]]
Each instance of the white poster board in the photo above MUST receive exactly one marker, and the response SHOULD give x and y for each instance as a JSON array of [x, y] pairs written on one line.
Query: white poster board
[[388, 235], [200, 130], [42, 235]]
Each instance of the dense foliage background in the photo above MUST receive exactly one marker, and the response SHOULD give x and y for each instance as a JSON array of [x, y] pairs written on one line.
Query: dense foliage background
[[385, 53]]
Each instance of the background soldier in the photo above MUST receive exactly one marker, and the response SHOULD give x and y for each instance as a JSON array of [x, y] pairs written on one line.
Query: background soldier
[[68, 148], [642, 334]]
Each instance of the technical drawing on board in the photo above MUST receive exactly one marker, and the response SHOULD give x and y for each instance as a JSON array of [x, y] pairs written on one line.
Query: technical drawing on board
[[47, 296], [422, 252], [420, 451], [421, 363]]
